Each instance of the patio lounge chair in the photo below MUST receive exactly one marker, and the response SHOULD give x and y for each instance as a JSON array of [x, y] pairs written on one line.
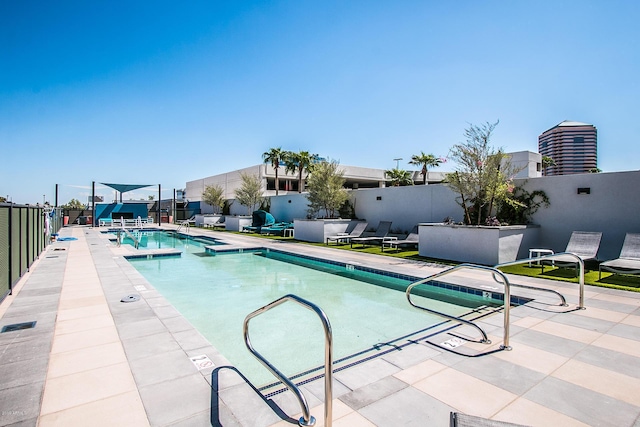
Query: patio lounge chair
[[379, 236], [629, 260], [346, 237], [220, 223], [584, 244], [277, 228], [260, 219], [411, 239]]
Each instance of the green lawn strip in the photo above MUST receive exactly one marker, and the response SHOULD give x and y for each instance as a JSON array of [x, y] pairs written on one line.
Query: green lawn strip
[[608, 280]]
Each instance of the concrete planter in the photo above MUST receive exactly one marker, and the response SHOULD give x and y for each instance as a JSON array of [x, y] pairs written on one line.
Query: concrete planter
[[477, 244], [317, 230], [235, 223]]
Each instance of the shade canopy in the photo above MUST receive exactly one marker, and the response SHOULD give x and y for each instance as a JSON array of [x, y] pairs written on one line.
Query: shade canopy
[[123, 188]]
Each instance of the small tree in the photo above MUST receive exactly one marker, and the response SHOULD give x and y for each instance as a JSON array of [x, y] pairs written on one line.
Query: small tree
[[325, 184], [213, 195], [529, 204], [250, 192], [484, 175], [399, 177], [425, 161], [73, 204]]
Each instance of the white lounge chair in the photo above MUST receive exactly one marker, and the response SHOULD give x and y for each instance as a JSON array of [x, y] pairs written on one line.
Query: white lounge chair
[[584, 244], [346, 237], [380, 235], [629, 260]]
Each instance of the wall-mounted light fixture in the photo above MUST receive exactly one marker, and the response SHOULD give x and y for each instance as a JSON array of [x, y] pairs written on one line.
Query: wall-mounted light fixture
[[379, 198], [584, 190]]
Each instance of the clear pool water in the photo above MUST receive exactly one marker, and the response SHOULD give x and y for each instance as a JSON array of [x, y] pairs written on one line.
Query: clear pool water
[[215, 293], [165, 239]]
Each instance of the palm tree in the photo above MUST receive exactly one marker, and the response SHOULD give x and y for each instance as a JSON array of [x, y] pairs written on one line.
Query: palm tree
[[399, 177], [547, 162], [299, 162], [426, 161], [274, 156]]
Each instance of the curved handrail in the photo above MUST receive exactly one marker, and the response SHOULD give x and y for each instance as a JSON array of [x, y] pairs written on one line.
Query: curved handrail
[[136, 242], [183, 224], [507, 300], [563, 301], [307, 419], [579, 261]]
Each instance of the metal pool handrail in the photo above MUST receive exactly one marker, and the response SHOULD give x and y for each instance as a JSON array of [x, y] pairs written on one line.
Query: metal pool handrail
[[507, 300], [183, 224], [136, 242], [307, 419], [579, 261]]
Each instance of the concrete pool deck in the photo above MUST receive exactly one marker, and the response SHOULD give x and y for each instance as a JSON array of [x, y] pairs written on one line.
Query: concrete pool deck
[[91, 359]]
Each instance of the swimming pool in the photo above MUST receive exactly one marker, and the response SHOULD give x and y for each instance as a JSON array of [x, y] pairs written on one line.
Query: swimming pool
[[366, 309], [158, 239]]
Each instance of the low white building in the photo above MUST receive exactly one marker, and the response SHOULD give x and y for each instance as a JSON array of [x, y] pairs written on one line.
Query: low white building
[[356, 177]]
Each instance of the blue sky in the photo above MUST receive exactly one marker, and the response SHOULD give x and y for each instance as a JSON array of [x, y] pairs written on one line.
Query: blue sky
[[166, 92]]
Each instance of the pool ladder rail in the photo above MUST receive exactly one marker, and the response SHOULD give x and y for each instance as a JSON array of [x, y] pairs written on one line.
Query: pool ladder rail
[[136, 242], [501, 278], [184, 224], [307, 419]]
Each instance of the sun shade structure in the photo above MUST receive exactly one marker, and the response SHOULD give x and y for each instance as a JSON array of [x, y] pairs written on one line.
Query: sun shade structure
[[123, 188]]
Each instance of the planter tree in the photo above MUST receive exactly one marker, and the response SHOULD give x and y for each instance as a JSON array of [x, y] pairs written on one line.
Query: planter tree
[[483, 177], [325, 185], [249, 193], [213, 195], [425, 161]]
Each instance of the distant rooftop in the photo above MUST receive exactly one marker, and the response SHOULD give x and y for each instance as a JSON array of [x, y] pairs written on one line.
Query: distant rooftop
[[568, 123], [572, 123]]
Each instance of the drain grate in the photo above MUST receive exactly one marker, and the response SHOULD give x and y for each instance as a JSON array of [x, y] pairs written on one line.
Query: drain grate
[[130, 298], [18, 326]]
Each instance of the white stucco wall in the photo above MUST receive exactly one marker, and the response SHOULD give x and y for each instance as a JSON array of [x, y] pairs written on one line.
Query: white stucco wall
[[611, 207], [406, 206]]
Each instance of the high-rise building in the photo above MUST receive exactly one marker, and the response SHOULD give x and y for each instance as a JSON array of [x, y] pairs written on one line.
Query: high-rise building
[[573, 146]]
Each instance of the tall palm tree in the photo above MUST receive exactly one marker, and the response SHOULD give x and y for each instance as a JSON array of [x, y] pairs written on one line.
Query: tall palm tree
[[274, 156], [299, 162], [426, 161]]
